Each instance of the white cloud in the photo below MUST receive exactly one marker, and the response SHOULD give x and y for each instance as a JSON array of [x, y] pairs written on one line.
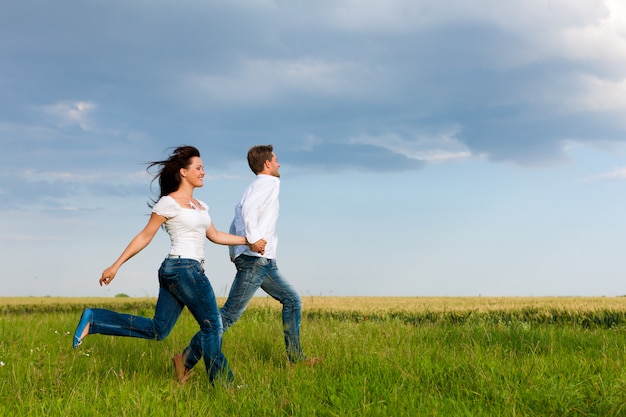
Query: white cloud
[[410, 15], [546, 29], [67, 113], [598, 95], [433, 149], [602, 39], [310, 142], [618, 174]]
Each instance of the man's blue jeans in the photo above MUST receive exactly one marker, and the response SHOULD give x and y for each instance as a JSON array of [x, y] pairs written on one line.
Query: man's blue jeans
[[253, 273], [182, 282]]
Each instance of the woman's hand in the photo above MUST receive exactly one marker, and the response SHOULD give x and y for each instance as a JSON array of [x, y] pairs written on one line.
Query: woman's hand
[[108, 275], [258, 246]]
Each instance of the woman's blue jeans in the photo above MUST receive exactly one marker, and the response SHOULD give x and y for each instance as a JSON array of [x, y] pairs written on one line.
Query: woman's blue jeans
[[182, 282], [253, 273]]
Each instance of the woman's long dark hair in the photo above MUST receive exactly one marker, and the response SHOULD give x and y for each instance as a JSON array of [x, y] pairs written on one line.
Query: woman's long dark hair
[[168, 173]]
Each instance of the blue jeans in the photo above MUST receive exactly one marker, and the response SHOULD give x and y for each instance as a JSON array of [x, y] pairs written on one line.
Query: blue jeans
[[182, 282], [253, 273]]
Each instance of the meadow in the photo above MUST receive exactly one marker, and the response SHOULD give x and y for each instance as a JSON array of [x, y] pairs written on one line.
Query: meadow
[[393, 356]]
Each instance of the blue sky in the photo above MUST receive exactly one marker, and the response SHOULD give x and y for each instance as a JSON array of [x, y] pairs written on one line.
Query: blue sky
[[428, 148]]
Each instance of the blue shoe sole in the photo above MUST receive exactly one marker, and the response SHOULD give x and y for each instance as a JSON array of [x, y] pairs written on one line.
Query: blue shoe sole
[[85, 319]]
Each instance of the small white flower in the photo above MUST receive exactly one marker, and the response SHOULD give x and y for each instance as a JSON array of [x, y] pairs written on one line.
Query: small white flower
[[1, 363]]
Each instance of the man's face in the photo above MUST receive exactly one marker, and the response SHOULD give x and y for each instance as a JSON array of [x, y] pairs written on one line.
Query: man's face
[[273, 166]]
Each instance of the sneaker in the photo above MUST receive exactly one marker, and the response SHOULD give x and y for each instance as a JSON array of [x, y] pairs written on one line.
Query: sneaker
[[83, 327]]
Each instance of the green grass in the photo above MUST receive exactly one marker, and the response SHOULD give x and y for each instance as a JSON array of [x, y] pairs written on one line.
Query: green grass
[[521, 361]]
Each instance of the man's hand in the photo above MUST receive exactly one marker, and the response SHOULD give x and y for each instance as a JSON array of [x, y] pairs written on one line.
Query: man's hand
[[258, 246]]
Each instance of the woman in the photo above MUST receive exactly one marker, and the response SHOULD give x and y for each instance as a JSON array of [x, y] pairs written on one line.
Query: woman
[[182, 281]]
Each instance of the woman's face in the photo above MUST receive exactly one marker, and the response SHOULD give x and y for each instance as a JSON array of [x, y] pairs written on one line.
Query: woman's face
[[194, 173]]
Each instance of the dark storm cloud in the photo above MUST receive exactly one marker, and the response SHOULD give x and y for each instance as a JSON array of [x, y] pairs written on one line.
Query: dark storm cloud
[[228, 75]]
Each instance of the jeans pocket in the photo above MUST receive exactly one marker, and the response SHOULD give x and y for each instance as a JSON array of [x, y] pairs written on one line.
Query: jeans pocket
[[250, 262], [168, 275]]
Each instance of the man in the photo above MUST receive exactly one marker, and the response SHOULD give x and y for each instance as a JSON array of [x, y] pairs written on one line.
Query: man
[[256, 216]]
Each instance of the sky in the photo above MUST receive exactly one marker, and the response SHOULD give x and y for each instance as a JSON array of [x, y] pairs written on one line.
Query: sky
[[427, 148]]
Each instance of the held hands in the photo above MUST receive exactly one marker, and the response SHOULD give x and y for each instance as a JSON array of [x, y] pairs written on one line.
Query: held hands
[[258, 246]]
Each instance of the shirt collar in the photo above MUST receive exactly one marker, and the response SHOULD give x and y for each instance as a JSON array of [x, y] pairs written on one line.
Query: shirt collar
[[271, 177]]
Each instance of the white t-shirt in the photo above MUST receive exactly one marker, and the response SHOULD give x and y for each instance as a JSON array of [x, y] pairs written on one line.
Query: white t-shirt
[[186, 226]]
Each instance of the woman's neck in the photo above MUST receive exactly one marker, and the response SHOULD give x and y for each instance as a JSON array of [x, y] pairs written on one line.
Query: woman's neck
[[183, 192], [182, 196]]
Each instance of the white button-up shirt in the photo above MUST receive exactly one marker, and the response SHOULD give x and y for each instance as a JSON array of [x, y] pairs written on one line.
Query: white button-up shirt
[[256, 215]]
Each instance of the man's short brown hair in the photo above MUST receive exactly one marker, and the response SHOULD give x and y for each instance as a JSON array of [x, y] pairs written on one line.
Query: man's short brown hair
[[257, 155]]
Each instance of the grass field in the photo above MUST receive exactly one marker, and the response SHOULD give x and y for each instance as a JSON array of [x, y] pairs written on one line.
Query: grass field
[[405, 356]]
